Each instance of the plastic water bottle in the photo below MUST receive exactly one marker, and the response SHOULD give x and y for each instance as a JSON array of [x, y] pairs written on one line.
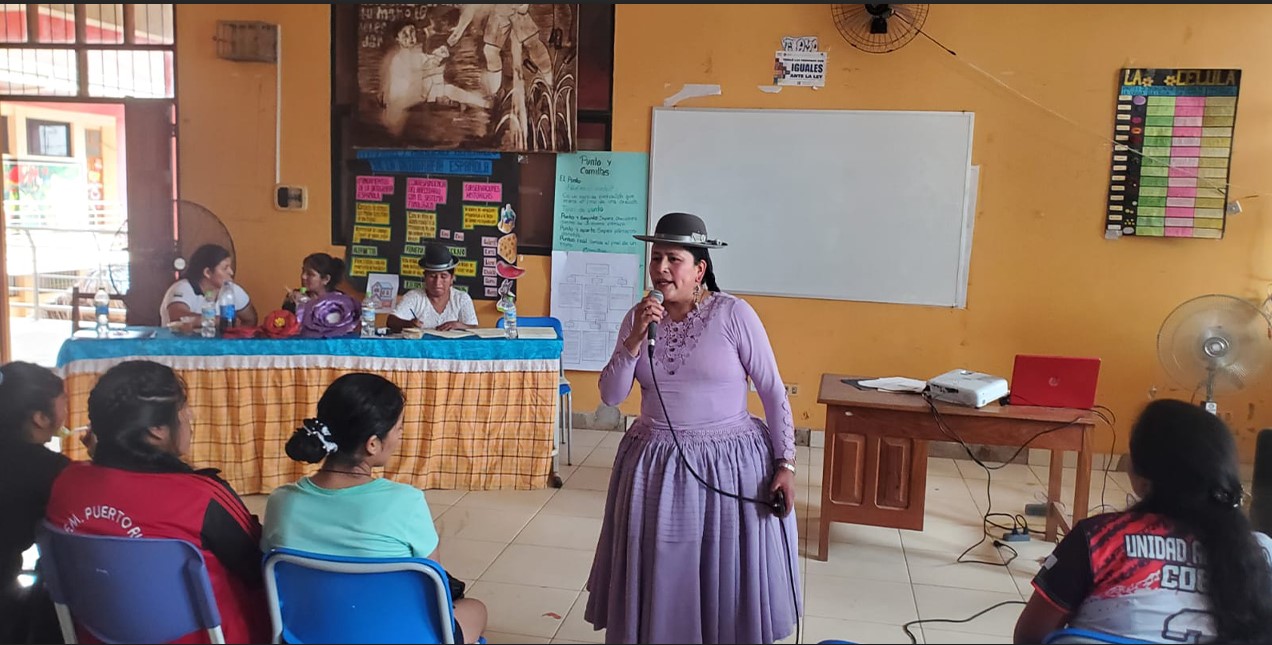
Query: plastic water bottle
[[510, 316], [208, 323], [225, 307], [368, 317], [101, 307]]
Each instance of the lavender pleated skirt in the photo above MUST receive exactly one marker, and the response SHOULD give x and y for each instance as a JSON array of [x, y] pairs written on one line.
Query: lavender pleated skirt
[[677, 563]]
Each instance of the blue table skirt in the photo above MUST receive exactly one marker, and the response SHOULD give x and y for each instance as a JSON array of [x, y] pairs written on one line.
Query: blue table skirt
[[165, 343]]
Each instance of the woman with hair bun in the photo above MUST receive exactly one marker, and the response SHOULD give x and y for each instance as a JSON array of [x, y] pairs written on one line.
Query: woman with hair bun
[[344, 509]]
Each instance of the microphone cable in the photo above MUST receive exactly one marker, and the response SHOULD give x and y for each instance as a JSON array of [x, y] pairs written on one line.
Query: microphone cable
[[790, 571]]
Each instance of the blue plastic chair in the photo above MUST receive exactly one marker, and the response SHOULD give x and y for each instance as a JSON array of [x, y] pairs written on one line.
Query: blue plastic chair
[[316, 598], [567, 398], [1078, 635], [127, 590]]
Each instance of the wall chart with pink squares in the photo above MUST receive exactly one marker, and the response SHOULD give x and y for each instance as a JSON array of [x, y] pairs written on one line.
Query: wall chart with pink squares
[[1172, 152]]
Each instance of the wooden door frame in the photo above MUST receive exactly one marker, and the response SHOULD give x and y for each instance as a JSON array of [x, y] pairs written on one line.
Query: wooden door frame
[[143, 304]]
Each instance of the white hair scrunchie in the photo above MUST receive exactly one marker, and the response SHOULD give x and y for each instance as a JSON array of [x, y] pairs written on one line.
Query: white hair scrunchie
[[316, 428]]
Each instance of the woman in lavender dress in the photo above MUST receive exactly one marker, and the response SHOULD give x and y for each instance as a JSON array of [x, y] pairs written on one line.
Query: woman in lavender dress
[[677, 562]]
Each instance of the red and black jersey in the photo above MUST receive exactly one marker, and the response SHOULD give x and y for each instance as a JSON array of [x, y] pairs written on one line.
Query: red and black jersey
[[1132, 574], [197, 507]]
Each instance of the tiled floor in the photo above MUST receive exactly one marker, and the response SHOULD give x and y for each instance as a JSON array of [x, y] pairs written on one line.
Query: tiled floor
[[527, 554]]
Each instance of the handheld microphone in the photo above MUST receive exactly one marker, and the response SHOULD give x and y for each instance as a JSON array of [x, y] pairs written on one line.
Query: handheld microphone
[[652, 332]]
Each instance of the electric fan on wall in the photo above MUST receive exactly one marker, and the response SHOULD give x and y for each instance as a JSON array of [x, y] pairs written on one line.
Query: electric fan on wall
[[879, 28], [1218, 343]]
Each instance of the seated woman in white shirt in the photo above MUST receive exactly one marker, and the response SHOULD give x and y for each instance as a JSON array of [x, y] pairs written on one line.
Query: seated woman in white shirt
[[439, 305], [207, 270]]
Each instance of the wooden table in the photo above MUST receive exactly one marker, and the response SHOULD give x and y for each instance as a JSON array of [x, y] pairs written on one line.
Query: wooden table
[[875, 469]]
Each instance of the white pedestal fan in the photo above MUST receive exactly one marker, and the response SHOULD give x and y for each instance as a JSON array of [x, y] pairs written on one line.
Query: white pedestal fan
[[1218, 343]]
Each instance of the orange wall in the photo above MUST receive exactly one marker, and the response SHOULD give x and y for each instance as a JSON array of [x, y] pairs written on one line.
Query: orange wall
[[1043, 280]]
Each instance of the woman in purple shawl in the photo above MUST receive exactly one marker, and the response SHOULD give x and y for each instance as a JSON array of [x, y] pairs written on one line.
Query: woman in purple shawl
[[677, 561]]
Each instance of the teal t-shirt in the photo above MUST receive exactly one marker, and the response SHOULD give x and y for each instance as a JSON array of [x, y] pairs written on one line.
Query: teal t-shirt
[[378, 519]]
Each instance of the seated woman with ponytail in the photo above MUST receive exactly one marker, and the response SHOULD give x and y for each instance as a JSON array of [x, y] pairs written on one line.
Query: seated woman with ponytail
[[343, 509], [1182, 565], [138, 486]]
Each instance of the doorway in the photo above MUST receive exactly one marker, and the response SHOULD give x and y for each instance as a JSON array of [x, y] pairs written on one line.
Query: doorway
[[89, 203]]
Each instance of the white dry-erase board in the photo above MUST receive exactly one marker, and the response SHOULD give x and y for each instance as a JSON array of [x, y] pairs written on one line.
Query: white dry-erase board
[[845, 205]]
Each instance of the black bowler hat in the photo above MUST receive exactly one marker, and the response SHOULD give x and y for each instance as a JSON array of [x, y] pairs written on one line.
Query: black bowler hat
[[681, 229], [437, 258]]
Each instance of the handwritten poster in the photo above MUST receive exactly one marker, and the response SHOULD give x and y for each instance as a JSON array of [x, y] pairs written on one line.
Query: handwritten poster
[[464, 200], [425, 194], [371, 224], [591, 292], [1172, 153], [600, 203]]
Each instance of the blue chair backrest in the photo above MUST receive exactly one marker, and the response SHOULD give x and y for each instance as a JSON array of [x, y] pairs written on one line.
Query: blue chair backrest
[[127, 590], [316, 598], [1078, 635], [535, 321]]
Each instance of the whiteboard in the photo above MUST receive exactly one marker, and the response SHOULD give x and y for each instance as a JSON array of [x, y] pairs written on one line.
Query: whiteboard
[[835, 204]]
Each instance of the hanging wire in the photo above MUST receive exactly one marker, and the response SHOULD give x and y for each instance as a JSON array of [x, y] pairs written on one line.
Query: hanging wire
[[1119, 147]]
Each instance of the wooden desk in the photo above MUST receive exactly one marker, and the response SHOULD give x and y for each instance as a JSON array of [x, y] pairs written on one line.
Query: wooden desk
[[875, 469]]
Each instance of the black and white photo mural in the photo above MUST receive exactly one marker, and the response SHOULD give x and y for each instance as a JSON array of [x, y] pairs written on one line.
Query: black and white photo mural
[[467, 77]]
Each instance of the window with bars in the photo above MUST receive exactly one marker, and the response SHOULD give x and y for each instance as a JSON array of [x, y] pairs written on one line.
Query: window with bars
[[87, 50]]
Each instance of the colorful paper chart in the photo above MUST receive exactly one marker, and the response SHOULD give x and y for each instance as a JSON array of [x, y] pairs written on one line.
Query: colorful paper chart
[[1173, 135]]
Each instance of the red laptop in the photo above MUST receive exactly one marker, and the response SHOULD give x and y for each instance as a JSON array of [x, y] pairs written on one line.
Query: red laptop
[[1054, 381]]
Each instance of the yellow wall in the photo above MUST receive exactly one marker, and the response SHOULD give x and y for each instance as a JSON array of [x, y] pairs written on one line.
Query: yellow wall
[[1043, 280]]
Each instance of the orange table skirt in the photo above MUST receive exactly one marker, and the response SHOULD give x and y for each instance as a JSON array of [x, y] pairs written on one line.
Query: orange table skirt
[[476, 429]]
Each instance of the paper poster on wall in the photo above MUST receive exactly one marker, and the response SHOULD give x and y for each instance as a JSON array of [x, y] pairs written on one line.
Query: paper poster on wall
[[799, 68], [463, 200], [601, 204], [1172, 153], [591, 292]]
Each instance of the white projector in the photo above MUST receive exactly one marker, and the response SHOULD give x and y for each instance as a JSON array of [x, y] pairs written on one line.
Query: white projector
[[963, 387]]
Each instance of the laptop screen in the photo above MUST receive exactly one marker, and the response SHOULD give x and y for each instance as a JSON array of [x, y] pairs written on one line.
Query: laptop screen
[[1054, 381]]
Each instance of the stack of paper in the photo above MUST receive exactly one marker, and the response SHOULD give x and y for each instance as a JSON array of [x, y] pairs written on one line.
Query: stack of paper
[[895, 384], [546, 333]]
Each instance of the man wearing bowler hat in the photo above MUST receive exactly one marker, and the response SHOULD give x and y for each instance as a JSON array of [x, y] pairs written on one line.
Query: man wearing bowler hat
[[439, 305]]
